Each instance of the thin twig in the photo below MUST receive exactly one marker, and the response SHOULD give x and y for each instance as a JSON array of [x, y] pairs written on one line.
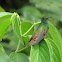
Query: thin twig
[[18, 46], [28, 30], [23, 49]]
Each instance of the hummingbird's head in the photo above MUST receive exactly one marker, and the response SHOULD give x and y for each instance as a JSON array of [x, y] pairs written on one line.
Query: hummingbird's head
[[45, 19]]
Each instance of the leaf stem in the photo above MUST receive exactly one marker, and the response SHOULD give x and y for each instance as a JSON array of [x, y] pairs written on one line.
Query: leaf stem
[[36, 23], [30, 28], [22, 49], [24, 35], [18, 46]]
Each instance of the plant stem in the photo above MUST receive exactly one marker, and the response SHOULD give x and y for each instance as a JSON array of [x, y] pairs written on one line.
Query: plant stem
[[28, 30], [18, 46], [24, 35], [37, 23], [22, 49]]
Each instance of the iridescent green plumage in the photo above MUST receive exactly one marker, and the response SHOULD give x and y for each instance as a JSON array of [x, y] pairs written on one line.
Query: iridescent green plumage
[[40, 32]]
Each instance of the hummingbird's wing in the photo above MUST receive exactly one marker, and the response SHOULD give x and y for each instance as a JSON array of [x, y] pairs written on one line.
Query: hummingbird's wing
[[41, 28], [35, 39], [38, 35]]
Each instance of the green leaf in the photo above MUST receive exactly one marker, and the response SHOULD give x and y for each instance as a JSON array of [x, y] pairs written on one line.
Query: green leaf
[[54, 51], [2, 49], [3, 55], [25, 26], [16, 25], [40, 52], [26, 40], [4, 23], [18, 57], [1, 9], [55, 35], [5, 14]]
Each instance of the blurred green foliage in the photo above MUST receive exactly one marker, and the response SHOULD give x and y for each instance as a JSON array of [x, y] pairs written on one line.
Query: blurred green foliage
[[24, 31], [30, 12]]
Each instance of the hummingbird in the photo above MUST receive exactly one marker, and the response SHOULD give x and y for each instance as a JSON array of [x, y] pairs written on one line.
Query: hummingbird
[[41, 32]]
